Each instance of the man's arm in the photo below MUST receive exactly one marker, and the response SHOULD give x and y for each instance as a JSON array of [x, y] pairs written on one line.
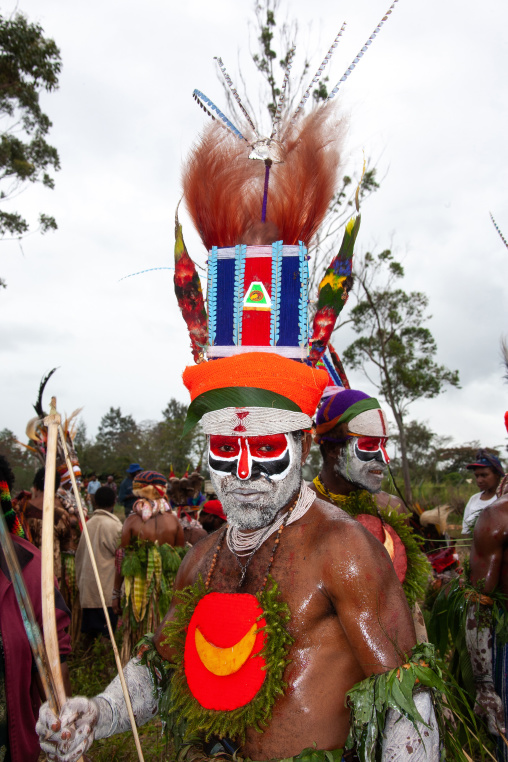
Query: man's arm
[[376, 619], [489, 538], [368, 598], [179, 537], [186, 575], [83, 720]]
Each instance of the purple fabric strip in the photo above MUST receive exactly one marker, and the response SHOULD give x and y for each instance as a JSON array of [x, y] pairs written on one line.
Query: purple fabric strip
[[265, 192]]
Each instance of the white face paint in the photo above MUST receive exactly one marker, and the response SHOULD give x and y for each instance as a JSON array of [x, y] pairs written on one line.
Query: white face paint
[[363, 466], [252, 503]]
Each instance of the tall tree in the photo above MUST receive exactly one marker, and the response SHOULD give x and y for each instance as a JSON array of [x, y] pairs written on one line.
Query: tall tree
[[21, 460], [394, 349], [118, 441], [163, 444], [29, 65]]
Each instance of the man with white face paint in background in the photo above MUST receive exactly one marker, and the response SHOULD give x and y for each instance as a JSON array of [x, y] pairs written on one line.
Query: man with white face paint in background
[[352, 432]]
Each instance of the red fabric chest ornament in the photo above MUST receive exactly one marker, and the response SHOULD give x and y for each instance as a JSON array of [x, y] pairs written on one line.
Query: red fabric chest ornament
[[388, 537], [222, 661]]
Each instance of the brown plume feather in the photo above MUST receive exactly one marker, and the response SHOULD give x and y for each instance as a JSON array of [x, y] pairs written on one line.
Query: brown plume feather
[[223, 188]]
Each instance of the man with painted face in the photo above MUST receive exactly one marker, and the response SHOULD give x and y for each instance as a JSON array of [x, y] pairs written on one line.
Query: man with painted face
[[352, 432], [280, 614]]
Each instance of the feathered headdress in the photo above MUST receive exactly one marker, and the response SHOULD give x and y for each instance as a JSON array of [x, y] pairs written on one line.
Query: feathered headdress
[[257, 202], [37, 433]]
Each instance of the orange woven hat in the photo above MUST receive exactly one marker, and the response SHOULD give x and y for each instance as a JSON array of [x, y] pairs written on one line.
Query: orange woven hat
[[253, 379]]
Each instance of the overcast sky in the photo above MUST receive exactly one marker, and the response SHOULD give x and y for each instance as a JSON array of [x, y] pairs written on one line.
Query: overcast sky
[[428, 104]]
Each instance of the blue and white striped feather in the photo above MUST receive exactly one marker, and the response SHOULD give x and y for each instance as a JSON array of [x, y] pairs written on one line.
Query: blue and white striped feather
[[303, 305], [276, 290], [200, 98]]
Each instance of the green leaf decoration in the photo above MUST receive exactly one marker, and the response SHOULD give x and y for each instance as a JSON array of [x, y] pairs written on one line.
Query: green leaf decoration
[[182, 709], [447, 625], [419, 570], [370, 700], [140, 561], [234, 396]]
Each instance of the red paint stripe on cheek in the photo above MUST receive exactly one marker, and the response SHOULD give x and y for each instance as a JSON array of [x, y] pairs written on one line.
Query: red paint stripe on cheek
[[243, 463]]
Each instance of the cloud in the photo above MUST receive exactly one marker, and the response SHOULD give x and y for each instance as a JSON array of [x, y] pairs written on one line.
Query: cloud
[[425, 102]]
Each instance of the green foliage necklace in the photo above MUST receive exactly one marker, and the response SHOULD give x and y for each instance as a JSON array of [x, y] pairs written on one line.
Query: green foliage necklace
[[230, 653]]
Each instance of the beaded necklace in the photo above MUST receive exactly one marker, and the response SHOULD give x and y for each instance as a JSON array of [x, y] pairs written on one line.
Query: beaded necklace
[[335, 498], [343, 500], [243, 568]]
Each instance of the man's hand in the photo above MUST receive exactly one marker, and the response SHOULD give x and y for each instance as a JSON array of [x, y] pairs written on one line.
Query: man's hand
[[67, 738], [489, 706]]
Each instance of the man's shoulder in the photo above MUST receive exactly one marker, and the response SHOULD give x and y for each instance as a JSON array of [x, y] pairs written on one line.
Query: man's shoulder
[[345, 552], [331, 525], [391, 502], [491, 528], [474, 499], [495, 513], [105, 517], [193, 564]]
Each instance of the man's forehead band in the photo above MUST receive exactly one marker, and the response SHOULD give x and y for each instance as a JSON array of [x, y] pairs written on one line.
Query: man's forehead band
[[253, 421]]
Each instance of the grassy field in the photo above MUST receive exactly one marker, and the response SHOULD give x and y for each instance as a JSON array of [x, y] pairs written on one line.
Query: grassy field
[[91, 671]]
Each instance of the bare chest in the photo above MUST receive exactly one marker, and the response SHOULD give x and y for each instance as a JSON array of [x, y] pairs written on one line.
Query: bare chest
[[291, 564]]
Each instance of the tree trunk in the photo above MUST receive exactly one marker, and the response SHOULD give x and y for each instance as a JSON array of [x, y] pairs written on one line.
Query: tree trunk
[[403, 458]]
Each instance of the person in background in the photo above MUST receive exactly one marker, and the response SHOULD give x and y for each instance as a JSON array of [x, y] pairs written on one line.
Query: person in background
[[352, 433], [104, 529], [93, 486], [20, 687], [488, 472], [110, 482], [125, 495], [353, 449], [212, 516], [487, 649], [149, 537], [29, 509]]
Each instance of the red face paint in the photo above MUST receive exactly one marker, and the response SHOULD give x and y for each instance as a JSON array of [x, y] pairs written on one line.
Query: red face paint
[[373, 445], [235, 455]]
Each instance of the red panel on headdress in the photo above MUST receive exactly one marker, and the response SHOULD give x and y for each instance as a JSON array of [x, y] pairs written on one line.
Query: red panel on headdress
[[223, 620], [256, 324]]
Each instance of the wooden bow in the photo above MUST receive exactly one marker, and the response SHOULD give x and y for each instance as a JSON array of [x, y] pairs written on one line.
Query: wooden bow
[[99, 585]]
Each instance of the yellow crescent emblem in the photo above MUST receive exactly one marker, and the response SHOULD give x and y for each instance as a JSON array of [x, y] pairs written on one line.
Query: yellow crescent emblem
[[225, 661], [388, 543]]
